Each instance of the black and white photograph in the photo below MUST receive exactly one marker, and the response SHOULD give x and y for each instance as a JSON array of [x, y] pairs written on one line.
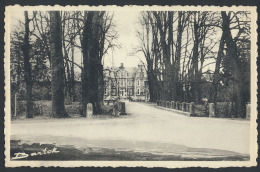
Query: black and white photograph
[[171, 86]]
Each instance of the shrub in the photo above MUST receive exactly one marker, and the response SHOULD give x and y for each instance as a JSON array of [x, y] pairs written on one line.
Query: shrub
[[224, 109]]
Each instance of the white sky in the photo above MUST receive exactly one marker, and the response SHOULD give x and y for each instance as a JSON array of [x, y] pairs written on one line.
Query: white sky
[[126, 22]]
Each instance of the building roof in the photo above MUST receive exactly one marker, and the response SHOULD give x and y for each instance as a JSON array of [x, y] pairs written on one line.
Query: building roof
[[130, 69]]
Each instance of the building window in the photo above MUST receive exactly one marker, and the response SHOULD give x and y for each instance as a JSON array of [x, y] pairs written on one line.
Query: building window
[[122, 92], [113, 83], [121, 83], [130, 93], [129, 83], [138, 91], [138, 82], [113, 92], [105, 91]]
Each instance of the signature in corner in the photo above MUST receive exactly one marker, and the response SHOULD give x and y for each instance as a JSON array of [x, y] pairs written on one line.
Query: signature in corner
[[21, 155]]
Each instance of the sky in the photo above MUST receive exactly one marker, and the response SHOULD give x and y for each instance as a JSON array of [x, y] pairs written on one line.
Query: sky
[[126, 23]]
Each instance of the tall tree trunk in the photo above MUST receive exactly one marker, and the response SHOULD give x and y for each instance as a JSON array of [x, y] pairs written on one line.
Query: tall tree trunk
[[91, 65], [27, 68], [151, 79], [171, 88], [100, 87], [57, 82], [216, 79], [72, 72], [66, 65], [101, 38], [232, 53], [68, 78], [97, 59], [162, 27], [178, 57], [195, 63], [92, 80]]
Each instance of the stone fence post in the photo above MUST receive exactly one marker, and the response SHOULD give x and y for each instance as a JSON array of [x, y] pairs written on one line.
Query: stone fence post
[[248, 111], [121, 108], [212, 110], [168, 104], [177, 105], [183, 106], [192, 108], [89, 110], [164, 103], [172, 104], [187, 107], [115, 110]]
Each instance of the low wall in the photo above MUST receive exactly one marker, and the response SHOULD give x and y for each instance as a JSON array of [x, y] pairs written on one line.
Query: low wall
[[108, 102], [206, 110], [188, 108]]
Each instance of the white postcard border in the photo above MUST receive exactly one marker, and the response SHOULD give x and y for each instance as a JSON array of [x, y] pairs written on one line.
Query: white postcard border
[[168, 164]]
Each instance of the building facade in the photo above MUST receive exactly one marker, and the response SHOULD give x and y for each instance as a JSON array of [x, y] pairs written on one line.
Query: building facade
[[126, 83]]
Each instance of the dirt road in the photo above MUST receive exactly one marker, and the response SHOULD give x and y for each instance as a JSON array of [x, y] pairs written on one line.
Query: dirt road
[[146, 129]]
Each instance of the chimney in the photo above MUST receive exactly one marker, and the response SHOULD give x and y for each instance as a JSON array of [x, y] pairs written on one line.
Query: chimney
[[122, 65]]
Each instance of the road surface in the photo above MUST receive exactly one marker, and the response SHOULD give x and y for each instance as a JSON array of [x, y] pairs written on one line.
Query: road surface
[[146, 130]]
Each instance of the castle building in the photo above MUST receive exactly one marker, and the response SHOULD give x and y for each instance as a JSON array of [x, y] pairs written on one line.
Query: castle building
[[126, 83]]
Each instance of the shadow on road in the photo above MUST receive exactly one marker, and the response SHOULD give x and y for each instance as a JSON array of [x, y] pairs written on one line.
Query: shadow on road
[[37, 151]]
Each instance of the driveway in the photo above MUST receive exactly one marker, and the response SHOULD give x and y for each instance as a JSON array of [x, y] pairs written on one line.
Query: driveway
[[146, 133]]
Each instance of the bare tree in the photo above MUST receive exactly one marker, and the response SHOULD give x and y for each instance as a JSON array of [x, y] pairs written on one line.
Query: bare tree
[[27, 68], [94, 37], [58, 108], [235, 64]]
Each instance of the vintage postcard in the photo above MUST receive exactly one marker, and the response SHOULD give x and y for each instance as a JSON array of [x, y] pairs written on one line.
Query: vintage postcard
[[110, 86]]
